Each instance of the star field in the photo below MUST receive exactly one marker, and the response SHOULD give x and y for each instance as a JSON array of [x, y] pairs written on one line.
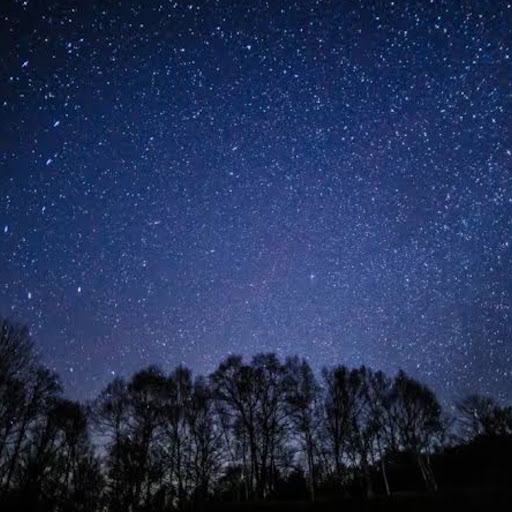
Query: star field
[[184, 180]]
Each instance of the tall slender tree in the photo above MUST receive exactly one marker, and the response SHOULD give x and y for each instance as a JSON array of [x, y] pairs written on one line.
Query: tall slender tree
[[417, 419], [304, 412]]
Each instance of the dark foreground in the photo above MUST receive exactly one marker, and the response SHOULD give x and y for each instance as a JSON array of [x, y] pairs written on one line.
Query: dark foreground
[[463, 500]]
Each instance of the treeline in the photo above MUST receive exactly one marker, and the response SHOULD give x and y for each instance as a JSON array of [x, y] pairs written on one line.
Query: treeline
[[264, 429]]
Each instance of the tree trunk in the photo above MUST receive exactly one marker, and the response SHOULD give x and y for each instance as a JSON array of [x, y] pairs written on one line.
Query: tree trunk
[[385, 476], [427, 474], [311, 467]]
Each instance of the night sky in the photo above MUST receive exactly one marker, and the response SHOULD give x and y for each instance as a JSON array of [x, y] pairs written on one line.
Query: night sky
[[184, 180]]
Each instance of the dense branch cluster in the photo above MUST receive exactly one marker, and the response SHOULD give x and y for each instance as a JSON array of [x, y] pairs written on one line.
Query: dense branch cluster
[[170, 442]]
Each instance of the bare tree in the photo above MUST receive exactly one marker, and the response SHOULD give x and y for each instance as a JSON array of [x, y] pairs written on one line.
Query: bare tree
[[379, 390], [37, 398], [304, 411], [350, 421], [253, 396], [145, 396], [479, 415], [57, 467], [76, 478], [417, 419], [364, 428], [234, 387], [16, 351], [110, 416], [17, 364], [177, 433], [337, 416], [206, 437], [270, 375]]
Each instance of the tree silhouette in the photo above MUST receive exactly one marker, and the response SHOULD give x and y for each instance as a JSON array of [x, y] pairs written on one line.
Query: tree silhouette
[[303, 397], [250, 431], [416, 414], [480, 415]]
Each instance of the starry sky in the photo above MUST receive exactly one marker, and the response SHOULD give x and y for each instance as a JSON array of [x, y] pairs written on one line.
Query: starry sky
[[181, 180]]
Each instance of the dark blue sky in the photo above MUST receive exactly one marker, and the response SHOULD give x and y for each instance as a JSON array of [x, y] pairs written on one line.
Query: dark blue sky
[[183, 180]]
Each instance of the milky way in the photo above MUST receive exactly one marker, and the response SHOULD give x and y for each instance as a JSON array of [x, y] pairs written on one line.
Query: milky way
[[184, 180]]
